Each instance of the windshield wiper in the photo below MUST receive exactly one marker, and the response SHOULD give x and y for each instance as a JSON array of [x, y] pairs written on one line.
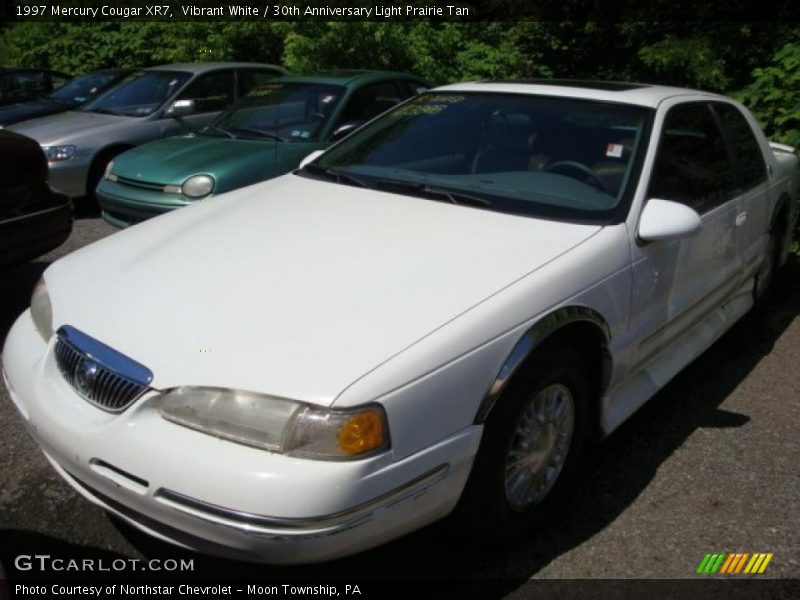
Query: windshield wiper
[[260, 133], [335, 175], [429, 191], [225, 132]]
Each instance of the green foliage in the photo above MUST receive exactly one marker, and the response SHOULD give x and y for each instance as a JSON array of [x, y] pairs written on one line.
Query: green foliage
[[440, 52], [80, 47], [692, 59], [774, 95]]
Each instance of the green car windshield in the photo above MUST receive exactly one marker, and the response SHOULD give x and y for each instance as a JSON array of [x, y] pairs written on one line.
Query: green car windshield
[[549, 157], [288, 111]]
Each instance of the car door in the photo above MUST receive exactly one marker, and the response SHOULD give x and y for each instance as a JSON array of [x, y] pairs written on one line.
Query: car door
[[211, 93], [677, 283], [751, 183]]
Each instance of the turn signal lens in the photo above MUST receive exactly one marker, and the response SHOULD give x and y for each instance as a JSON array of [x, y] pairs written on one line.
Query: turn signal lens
[[361, 433]]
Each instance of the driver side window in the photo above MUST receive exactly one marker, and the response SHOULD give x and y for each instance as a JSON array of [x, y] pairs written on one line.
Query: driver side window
[[692, 164], [211, 92]]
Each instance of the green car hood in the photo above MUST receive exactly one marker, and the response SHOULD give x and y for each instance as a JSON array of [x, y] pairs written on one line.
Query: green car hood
[[233, 163]]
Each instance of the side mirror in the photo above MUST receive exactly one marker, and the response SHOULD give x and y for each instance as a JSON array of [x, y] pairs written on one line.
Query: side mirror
[[346, 129], [181, 108], [667, 220], [311, 157]]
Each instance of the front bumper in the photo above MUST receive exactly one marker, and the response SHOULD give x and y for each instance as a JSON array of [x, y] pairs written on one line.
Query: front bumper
[[46, 225], [218, 497], [125, 205], [70, 176]]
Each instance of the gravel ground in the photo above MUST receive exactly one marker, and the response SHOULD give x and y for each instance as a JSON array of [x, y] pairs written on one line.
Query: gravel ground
[[710, 464]]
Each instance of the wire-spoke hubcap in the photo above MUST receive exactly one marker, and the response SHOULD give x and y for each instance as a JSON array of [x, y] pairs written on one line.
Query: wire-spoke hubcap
[[539, 448]]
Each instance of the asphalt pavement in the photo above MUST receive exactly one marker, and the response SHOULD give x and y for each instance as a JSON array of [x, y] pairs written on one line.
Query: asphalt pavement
[[711, 464]]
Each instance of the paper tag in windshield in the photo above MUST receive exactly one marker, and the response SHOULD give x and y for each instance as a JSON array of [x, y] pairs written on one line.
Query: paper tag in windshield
[[614, 150]]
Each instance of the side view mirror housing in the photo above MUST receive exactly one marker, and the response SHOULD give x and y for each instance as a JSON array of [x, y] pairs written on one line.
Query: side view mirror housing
[[667, 220], [346, 129], [311, 157], [181, 108]]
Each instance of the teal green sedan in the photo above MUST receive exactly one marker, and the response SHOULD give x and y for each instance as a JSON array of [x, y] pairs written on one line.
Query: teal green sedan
[[266, 134]]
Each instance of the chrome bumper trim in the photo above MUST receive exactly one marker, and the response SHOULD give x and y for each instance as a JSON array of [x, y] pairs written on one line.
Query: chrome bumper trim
[[338, 521], [33, 214]]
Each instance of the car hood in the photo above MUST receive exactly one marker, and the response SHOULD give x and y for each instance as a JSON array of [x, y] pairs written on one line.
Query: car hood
[[172, 160], [294, 287], [67, 126], [23, 111]]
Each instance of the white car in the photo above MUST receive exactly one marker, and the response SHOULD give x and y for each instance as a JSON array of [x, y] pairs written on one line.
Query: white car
[[432, 316]]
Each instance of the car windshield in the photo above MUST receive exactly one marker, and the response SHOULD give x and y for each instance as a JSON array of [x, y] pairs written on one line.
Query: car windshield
[[140, 94], [550, 157], [83, 88], [289, 111]]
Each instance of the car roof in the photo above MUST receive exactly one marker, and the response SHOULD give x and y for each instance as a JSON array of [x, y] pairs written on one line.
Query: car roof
[[202, 67], [349, 76], [641, 94]]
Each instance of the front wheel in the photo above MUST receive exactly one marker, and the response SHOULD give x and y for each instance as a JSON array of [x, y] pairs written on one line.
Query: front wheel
[[529, 448]]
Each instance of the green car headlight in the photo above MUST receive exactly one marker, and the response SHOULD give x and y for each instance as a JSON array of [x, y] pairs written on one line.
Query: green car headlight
[[278, 424], [198, 186], [108, 174]]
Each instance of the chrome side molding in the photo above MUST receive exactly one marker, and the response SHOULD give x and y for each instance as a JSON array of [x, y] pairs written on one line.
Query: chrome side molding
[[534, 336]]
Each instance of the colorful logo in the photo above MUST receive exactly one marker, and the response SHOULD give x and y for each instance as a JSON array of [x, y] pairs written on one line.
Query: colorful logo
[[735, 563]]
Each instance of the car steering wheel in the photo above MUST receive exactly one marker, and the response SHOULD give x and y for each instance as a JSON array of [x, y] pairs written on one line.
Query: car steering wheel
[[591, 177]]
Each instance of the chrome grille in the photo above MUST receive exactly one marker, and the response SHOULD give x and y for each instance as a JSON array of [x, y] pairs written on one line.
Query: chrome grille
[[99, 374]]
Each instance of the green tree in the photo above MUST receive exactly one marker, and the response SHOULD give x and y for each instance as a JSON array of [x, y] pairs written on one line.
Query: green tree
[[774, 94]]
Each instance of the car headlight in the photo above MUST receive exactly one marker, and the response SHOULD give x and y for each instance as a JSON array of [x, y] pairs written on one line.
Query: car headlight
[[198, 186], [57, 153], [41, 310], [277, 424], [108, 174]]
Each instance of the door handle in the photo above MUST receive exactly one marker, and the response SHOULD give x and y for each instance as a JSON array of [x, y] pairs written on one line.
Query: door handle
[[741, 218]]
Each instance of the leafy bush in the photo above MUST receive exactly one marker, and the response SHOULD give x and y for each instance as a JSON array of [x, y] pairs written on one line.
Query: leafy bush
[[774, 95]]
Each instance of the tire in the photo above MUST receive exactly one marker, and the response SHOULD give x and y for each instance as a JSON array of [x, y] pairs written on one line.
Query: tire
[[497, 505]]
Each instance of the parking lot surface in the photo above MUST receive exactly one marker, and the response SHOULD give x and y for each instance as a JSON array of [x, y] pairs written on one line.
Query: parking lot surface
[[709, 465]]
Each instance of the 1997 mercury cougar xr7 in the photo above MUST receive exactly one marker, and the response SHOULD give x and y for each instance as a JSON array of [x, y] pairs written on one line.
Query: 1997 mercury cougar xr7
[[431, 316]]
